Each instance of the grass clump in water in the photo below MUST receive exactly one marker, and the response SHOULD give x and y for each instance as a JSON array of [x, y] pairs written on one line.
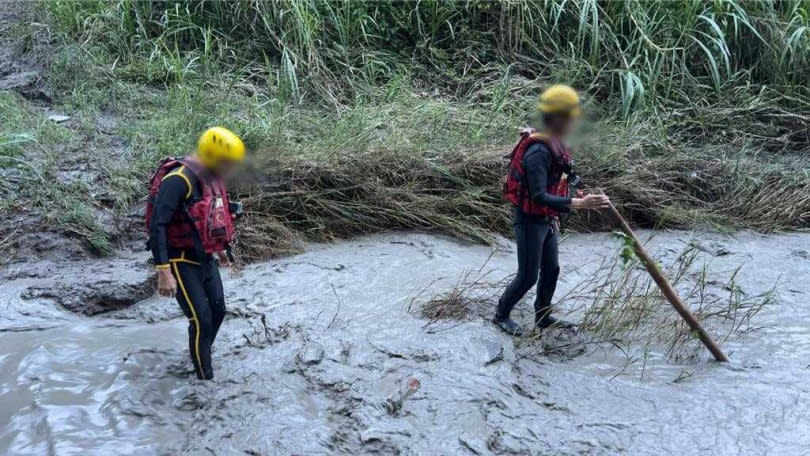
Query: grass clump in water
[[472, 296], [623, 305], [619, 309]]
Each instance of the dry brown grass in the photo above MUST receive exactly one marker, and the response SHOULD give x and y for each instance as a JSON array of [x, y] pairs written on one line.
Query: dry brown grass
[[459, 194]]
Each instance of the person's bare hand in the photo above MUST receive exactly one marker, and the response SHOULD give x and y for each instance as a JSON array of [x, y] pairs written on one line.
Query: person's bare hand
[[167, 286], [591, 202], [224, 261]]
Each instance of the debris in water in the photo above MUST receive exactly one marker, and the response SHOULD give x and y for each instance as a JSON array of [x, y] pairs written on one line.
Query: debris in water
[[712, 248], [413, 385], [394, 404], [495, 352], [58, 118]]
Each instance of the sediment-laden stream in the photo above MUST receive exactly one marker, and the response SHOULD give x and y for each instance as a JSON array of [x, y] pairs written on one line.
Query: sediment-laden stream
[[317, 350]]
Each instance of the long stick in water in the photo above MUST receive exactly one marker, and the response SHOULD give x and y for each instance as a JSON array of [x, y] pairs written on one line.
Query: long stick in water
[[666, 288]]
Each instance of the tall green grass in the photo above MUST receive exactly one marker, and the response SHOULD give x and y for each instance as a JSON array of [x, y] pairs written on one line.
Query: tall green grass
[[641, 52], [366, 116]]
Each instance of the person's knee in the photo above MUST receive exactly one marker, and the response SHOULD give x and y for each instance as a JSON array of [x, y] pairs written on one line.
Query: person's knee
[[206, 327], [218, 310], [525, 283], [550, 274]]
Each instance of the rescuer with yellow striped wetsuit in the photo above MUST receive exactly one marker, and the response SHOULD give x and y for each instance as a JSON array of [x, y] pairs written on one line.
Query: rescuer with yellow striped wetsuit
[[190, 220]]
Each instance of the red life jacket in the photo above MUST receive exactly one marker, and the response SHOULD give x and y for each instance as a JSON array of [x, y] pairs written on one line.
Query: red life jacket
[[516, 189], [210, 213]]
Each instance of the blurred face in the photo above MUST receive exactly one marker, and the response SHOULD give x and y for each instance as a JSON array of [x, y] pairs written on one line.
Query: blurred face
[[224, 168], [560, 124]]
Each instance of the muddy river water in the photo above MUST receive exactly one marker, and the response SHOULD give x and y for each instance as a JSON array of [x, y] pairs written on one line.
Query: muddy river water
[[317, 349]]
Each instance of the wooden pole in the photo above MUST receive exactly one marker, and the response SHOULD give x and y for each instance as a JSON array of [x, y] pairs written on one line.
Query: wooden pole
[[666, 288]]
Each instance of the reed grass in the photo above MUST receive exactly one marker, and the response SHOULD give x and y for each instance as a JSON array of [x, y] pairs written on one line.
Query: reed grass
[[368, 116], [641, 52], [623, 305], [618, 308]]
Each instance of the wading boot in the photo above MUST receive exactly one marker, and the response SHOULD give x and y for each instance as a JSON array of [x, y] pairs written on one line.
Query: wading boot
[[508, 325], [543, 320]]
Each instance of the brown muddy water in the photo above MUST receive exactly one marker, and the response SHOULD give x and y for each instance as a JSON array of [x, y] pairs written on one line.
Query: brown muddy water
[[325, 371]]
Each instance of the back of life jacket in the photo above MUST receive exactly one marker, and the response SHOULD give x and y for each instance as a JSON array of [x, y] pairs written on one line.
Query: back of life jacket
[[516, 188], [203, 222]]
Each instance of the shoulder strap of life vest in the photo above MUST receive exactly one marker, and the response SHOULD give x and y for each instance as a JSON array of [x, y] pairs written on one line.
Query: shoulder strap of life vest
[[165, 168], [197, 170], [553, 146], [529, 136], [208, 184], [524, 135]]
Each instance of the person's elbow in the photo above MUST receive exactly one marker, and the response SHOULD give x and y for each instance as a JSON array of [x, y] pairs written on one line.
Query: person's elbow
[[156, 226], [542, 198], [551, 201]]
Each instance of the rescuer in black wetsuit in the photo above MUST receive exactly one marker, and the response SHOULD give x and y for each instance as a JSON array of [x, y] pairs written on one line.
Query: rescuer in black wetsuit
[[537, 234], [187, 271], [200, 297]]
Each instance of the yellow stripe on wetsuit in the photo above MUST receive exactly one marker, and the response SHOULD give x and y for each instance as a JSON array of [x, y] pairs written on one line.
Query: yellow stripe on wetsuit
[[193, 318], [179, 172], [183, 259]]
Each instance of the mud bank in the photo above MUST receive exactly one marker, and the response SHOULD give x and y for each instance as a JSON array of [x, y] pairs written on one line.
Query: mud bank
[[317, 349]]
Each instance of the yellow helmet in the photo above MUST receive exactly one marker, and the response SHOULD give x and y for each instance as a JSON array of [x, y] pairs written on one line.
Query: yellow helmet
[[219, 144], [559, 99]]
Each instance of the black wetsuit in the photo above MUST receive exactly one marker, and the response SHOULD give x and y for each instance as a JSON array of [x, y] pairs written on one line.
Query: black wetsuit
[[199, 286], [536, 238]]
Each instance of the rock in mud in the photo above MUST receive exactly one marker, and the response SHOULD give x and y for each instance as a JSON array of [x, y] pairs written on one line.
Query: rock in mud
[[93, 298], [713, 248], [311, 354], [58, 118], [94, 287], [17, 81], [494, 352]]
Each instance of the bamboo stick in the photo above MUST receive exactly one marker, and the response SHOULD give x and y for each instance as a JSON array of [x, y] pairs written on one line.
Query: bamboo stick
[[666, 288]]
